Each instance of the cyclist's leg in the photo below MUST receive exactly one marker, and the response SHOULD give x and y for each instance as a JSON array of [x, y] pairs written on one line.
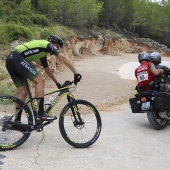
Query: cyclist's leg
[[22, 94], [18, 80], [39, 93], [39, 86], [24, 69]]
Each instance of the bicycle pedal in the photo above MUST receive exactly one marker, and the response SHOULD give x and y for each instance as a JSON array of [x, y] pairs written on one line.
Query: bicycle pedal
[[39, 129]]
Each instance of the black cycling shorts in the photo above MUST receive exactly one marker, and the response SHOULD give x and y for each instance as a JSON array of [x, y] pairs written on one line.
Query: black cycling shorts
[[20, 69]]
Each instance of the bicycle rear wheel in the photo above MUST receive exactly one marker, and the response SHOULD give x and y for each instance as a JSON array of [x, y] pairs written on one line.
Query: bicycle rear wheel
[[80, 135], [12, 136]]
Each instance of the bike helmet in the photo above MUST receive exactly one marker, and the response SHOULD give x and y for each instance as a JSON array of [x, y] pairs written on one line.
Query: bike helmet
[[155, 57], [56, 39], [143, 56]]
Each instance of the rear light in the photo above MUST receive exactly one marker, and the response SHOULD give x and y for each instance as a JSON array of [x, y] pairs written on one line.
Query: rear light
[[143, 99]]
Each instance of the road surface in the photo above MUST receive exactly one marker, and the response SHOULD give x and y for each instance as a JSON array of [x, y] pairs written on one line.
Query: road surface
[[127, 140]]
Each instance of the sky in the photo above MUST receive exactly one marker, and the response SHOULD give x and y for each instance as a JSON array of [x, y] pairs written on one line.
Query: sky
[[156, 0]]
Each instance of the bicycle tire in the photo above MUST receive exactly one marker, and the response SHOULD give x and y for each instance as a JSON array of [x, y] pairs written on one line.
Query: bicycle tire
[[89, 114], [12, 138]]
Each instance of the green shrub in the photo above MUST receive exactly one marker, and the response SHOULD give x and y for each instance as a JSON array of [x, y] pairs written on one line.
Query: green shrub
[[8, 88], [2, 76], [45, 33], [20, 19], [18, 32], [40, 20], [4, 39], [6, 84]]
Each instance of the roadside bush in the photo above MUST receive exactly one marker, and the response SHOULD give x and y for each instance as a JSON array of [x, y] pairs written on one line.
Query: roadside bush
[[6, 85], [45, 33], [20, 19], [8, 88], [4, 39], [40, 20], [18, 32]]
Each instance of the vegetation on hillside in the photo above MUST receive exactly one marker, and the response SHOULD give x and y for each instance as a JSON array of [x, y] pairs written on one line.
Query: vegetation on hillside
[[28, 19]]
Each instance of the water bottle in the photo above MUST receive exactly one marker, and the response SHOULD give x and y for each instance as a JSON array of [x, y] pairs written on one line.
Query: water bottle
[[48, 102]]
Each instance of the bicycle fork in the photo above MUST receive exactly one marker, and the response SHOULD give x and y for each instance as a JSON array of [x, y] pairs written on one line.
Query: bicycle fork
[[78, 121]]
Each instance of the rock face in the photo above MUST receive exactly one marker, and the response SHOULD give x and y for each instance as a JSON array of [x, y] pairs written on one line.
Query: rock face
[[81, 47]]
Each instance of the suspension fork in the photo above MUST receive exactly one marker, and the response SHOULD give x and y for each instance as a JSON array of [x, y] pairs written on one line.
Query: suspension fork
[[75, 112]]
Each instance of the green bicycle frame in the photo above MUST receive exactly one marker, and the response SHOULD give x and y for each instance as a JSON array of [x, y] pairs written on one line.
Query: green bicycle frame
[[63, 92]]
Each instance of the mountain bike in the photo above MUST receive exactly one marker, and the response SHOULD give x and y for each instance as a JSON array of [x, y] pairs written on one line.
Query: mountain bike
[[79, 121]]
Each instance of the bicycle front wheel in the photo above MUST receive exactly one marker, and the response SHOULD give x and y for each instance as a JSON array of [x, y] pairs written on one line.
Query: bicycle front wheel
[[11, 135], [84, 134]]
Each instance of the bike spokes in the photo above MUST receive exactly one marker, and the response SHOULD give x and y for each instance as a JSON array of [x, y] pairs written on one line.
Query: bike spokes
[[82, 129], [12, 135]]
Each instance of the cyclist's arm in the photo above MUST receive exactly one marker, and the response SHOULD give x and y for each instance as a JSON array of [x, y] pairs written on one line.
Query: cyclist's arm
[[61, 57], [50, 74], [47, 70], [44, 62], [67, 63], [155, 71]]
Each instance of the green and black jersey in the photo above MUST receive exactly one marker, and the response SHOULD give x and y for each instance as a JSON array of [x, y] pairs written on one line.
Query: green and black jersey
[[37, 50], [18, 62]]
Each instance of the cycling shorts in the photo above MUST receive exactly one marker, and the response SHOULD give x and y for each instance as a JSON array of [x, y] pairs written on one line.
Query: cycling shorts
[[20, 69]]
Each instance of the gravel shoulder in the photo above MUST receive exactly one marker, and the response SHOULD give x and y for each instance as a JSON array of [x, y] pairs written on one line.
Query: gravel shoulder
[[101, 83]]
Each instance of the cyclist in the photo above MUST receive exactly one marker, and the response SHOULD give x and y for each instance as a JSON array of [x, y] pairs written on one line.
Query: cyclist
[[147, 72], [156, 60], [18, 64]]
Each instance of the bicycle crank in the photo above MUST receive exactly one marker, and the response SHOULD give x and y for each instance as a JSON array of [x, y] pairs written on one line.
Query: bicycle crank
[[4, 119]]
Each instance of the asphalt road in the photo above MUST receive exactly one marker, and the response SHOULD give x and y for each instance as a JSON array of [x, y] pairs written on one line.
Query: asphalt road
[[127, 142]]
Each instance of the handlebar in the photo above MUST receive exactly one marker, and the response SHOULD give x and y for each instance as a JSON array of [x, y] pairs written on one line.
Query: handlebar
[[68, 83]]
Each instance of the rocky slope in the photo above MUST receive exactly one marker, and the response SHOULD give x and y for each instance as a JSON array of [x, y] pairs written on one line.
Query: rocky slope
[[79, 47]]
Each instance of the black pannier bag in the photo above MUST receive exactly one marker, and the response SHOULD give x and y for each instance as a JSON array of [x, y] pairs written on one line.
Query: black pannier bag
[[135, 105], [162, 100]]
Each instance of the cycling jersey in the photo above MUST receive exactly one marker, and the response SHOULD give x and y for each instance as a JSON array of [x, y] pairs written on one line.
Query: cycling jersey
[[18, 62], [37, 50], [144, 75]]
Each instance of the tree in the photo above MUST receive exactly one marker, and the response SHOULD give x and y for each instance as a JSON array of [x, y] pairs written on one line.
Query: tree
[[140, 14]]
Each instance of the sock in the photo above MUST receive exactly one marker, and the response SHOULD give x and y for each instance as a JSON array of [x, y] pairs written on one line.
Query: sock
[[18, 116], [40, 103]]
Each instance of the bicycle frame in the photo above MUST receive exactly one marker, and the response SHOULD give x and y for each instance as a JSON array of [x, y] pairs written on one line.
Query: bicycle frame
[[62, 92], [38, 126]]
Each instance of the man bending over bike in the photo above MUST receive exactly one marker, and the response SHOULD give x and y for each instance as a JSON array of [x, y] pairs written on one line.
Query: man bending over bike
[[18, 64]]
